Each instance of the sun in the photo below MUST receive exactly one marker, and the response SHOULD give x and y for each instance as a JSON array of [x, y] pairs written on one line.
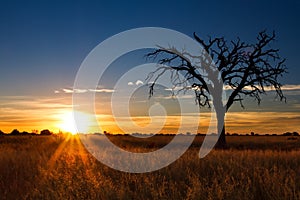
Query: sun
[[67, 122]]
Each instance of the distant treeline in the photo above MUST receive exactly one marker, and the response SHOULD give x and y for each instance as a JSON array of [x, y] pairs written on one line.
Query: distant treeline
[[34, 132], [201, 134], [48, 132]]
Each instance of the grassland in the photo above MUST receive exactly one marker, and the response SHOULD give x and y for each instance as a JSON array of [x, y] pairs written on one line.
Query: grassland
[[50, 167]]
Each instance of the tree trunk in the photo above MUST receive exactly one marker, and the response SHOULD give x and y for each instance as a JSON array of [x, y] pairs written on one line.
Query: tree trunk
[[221, 143]]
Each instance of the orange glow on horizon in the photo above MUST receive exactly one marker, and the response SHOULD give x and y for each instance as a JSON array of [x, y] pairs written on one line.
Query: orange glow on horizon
[[55, 114]]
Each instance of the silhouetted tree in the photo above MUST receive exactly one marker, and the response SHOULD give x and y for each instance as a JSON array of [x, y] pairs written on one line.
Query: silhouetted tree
[[295, 133], [46, 132], [287, 134], [24, 133], [242, 69], [1, 133], [15, 132]]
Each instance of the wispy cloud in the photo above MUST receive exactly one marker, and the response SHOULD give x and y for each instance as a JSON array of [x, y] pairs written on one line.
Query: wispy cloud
[[138, 82], [66, 90], [102, 90], [28, 112], [291, 87], [176, 97], [174, 88], [71, 90], [269, 88], [236, 122], [227, 87], [262, 122]]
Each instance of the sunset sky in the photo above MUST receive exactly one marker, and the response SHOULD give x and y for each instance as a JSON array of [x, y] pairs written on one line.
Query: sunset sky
[[43, 43]]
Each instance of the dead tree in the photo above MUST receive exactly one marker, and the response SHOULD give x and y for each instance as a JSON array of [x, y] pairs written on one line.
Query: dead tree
[[240, 68]]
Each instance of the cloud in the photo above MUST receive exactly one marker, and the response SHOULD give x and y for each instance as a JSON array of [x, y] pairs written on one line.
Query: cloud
[[139, 82], [269, 88], [67, 90], [291, 87], [70, 90], [102, 90], [29, 112], [236, 122], [176, 97], [262, 122], [174, 88]]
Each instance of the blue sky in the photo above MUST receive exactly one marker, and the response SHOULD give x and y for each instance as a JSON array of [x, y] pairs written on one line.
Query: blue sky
[[43, 43]]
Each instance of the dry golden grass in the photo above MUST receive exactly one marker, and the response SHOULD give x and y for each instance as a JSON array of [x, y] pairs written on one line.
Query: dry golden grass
[[48, 167]]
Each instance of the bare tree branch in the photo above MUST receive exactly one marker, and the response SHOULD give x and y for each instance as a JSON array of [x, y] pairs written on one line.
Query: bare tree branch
[[246, 68]]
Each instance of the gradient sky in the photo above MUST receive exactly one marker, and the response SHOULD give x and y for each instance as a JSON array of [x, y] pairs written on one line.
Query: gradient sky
[[42, 44]]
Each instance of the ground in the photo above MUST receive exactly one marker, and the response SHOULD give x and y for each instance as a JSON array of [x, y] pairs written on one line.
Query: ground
[[59, 167]]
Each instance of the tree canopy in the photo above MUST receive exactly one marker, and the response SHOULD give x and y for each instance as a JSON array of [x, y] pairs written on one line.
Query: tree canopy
[[243, 69]]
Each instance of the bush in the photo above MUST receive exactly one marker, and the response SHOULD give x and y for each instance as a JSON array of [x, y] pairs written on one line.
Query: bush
[[15, 132], [46, 132]]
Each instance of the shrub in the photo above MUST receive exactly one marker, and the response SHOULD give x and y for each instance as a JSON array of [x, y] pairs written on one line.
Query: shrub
[[46, 132]]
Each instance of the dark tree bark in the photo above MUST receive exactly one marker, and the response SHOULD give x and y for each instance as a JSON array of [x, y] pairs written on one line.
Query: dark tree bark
[[221, 143], [220, 113], [245, 69]]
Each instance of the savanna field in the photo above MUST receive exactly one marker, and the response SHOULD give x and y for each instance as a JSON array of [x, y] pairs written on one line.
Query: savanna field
[[59, 167]]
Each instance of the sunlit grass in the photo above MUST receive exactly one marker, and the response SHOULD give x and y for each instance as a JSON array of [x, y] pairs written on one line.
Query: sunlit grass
[[59, 167]]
